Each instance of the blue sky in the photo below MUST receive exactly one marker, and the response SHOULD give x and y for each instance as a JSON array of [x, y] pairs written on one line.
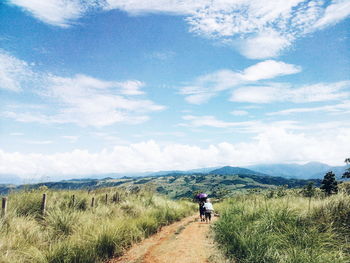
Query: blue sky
[[130, 86]]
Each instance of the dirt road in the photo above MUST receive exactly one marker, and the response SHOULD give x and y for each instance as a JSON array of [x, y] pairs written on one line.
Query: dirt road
[[185, 241]]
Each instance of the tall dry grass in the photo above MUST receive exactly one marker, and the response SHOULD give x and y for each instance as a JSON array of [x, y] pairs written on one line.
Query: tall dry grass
[[79, 233], [288, 229]]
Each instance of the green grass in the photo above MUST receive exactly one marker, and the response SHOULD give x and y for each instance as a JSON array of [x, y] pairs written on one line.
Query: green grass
[[78, 233], [253, 228]]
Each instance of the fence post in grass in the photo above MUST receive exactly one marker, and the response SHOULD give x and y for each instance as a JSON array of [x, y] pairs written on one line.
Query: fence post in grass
[[116, 197], [4, 206], [106, 199], [92, 202], [309, 204], [73, 201], [43, 205]]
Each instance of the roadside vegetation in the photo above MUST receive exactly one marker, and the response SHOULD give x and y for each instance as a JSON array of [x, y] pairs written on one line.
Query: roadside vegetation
[[71, 230], [286, 225]]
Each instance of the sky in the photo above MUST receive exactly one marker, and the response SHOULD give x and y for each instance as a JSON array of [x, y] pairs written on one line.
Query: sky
[[119, 86]]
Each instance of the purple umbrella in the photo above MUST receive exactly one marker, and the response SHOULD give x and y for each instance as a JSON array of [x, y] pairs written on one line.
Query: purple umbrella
[[202, 195]]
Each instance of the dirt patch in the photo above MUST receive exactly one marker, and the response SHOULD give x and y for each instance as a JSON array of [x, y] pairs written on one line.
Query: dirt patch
[[186, 241]]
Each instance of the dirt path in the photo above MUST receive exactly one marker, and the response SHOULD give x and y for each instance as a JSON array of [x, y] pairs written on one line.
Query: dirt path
[[185, 241]]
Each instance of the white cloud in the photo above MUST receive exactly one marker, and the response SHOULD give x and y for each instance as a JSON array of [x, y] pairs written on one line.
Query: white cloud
[[269, 69], [207, 86], [341, 108], [55, 12], [260, 29], [211, 121], [251, 127], [199, 98], [239, 113], [30, 117], [130, 87], [38, 142], [81, 99], [16, 133], [264, 45], [275, 145], [321, 92], [176, 7], [335, 12], [26, 105], [263, 29], [110, 138], [70, 138], [14, 73], [258, 94], [282, 92], [89, 101], [162, 55]]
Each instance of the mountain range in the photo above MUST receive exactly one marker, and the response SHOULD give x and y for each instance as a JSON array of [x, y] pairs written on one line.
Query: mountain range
[[216, 182], [311, 170]]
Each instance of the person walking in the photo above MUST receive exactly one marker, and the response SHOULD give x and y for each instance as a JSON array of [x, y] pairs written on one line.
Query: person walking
[[201, 211], [209, 209]]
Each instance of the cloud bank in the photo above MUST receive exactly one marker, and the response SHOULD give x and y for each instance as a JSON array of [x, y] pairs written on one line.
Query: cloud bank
[[266, 147]]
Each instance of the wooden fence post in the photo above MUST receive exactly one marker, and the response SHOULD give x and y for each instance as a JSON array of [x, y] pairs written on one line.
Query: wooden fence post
[[93, 202], [4, 206], [106, 199], [43, 205], [73, 201], [116, 197]]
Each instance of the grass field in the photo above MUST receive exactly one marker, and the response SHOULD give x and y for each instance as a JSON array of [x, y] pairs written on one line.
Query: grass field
[[273, 226], [76, 232], [289, 229]]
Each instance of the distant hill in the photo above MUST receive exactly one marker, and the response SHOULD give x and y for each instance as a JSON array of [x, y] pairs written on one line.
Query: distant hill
[[305, 171], [9, 179], [217, 182], [311, 170], [227, 170], [5, 188]]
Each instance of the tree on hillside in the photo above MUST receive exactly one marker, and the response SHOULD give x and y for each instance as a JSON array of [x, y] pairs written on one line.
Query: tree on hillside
[[329, 184], [347, 171], [309, 190]]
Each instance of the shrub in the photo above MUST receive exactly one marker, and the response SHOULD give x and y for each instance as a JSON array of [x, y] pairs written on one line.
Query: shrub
[[27, 203], [69, 251], [61, 222]]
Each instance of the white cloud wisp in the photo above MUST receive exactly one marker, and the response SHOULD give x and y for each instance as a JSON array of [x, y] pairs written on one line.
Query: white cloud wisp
[[14, 73], [259, 29], [81, 99], [341, 108], [277, 92], [207, 86]]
